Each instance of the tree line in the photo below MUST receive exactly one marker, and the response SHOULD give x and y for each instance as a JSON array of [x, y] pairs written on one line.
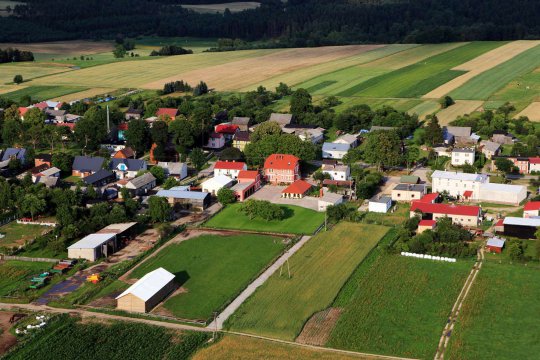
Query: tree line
[[15, 55]]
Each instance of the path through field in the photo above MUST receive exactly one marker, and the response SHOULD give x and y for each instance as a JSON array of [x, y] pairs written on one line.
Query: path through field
[[235, 304]]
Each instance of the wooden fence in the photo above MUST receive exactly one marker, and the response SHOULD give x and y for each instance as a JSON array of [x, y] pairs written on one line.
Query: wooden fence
[[24, 258]]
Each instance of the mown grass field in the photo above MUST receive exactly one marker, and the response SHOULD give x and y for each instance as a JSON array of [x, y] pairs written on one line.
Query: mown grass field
[[17, 234], [281, 306], [212, 269], [40, 93], [499, 319], [299, 221], [28, 71], [15, 275], [397, 306]]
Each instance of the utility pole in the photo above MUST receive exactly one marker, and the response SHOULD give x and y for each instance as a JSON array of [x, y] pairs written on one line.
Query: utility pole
[[108, 122]]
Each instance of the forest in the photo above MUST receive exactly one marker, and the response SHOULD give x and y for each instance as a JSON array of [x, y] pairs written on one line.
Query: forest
[[295, 23]]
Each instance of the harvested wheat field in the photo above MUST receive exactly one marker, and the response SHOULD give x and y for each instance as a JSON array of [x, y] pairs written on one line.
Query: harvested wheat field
[[239, 74], [461, 107], [319, 327], [532, 112], [84, 94], [482, 63], [63, 47]]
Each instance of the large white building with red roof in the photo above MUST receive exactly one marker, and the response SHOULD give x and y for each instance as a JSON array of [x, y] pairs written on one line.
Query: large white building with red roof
[[464, 215], [282, 169], [229, 168]]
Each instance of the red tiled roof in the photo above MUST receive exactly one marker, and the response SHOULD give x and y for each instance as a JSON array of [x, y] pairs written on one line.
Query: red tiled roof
[[42, 105], [167, 111], [429, 198], [123, 126], [448, 209], [534, 160], [230, 165], [468, 193], [215, 135], [430, 223], [59, 105], [71, 126], [248, 174], [227, 128], [23, 110], [297, 187], [281, 161], [532, 205]]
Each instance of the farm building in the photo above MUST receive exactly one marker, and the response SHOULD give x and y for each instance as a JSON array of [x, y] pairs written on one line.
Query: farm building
[[409, 179], [140, 185], [531, 209], [94, 246], [242, 122], [349, 139], [282, 168], [334, 150], [408, 192], [462, 156], [495, 245], [182, 197], [451, 132], [502, 137], [229, 168], [147, 292], [281, 119], [460, 214], [380, 205], [456, 183], [329, 199], [248, 183], [296, 190], [213, 185], [424, 225], [502, 193], [523, 228], [490, 148]]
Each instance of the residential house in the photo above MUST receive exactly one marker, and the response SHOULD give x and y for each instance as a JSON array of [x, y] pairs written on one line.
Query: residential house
[[23, 111], [125, 153], [531, 209], [503, 138], [184, 198], [141, 185], [522, 163], [43, 159], [229, 168], [408, 192], [227, 130], [242, 123], [14, 153], [241, 139], [490, 149], [133, 114], [99, 178], [337, 171], [296, 190], [457, 183], [334, 150], [176, 170], [464, 215], [450, 133], [166, 113], [127, 168], [86, 165], [380, 204], [216, 183], [349, 139], [248, 183], [462, 156], [534, 165], [282, 169], [216, 141], [45, 172], [281, 119], [58, 116], [48, 181]]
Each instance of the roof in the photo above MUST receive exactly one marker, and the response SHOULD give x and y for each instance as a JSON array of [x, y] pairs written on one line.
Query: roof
[[226, 128], [345, 183], [92, 241], [18, 153], [337, 167], [173, 168], [230, 165], [99, 175], [281, 161], [242, 136], [451, 175], [448, 209], [217, 181], [55, 112], [491, 146], [142, 180], [23, 110], [532, 205], [499, 222], [241, 120], [503, 187], [170, 112], [215, 135], [429, 198], [534, 222], [248, 174], [127, 152], [39, 169], [297, 187], [496, 242], [49, 181], [430, 223], [335, 147], [409, 179], [534, 160], [347, 139], [382, 200], [42, 105], [464, 150], [459, 130], [410, 187], [241, 186], [50, 171], [149, 285], [117, 228], [87, 163], [467, 193], [331, 197], [43, 157], [282, 119], [383, 128], [130, 164], [183, 194], [134, 111]]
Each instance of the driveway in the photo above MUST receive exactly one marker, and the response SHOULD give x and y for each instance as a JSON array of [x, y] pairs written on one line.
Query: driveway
[[273, 194]]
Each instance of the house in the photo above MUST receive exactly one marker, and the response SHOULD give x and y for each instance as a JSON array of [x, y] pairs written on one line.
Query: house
[[282, 169], [72, 118], [182, 197], [305, 132], [241, 139], [229, 168], [328, 199], [14, 153], [125, 153], [452, 132], [442, 151], [141, 185], [213, 185], [409, 179], [296, 190], [534, 165], [337, 172], [43, 159], [176, 170], [165, 113], [380, 204], [248, 183], [495, 245], [334, 150], [94, 246], [490, 148], [56, 115], [242, 123], [457, 183], [522, 163], [462, 156], [348, 139], [48, 181], [502, 137], [281, 119], [127, 168], [424, 225], [46, 172], [215, 141], [86, 165], [147, 292], [523, 228], [101, 177], [23, 111], [131, 114], [531, 209], [502, 193], [464, 215], [408, 192], [227, 130]]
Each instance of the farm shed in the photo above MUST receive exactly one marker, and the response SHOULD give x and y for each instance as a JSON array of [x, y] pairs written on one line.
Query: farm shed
[[93, 246], [334, 150], [329, 199], [187, 199], [424, 225], [213, 185], [460, 214], [380, 205], [502, 193], [495, 245], [296, 190], [523, 228], [147, 292]]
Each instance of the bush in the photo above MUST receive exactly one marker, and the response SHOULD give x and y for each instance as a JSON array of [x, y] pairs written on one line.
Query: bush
[[226, 196], [262, 209]]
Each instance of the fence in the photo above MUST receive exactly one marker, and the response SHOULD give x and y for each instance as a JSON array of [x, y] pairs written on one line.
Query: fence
[[24, 222], [24, 258]]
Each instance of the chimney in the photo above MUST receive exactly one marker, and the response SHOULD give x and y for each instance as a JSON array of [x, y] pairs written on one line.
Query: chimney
[[321, 192]]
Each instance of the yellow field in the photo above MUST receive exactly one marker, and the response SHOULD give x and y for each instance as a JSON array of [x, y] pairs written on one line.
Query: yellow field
[[27, 70], [63, 47], [461, 107], [532, 112], [84, 94]]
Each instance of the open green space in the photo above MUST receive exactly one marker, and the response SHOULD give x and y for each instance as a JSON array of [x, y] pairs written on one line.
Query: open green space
[[499, 319], [482, 86], [18, 234], [397, 306], [40, 92], [213, 269], [281, 306], [298, 220], [27, 70], [377, 103], [15, 275]]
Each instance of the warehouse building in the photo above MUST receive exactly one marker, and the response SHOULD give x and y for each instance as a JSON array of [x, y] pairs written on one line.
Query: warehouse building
[[147, 292], [502, 193], [523, 228], [461, 215], [183, 197], [94, 246]]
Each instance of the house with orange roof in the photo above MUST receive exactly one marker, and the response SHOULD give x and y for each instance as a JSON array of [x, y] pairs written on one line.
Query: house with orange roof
[[229, 168], [248, 183], [167, 113], [282, 169]]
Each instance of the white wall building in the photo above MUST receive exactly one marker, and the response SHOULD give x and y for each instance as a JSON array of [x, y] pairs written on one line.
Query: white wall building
[[503, 193], [229, 168], [337, 172], [457, 183], [380, 205], [334, 150], [349, 139], [329, 199], [462, 156], [213, 185]]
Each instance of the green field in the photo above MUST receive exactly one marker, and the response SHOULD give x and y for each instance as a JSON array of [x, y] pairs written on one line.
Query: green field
[[499, 319], [398, 306], [15, 275], [18, 234], [299, 221], [40, 93], [212, 269], [281, 306], [27, 70]]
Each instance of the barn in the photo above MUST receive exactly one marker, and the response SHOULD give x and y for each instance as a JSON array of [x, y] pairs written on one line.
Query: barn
[[523, 228], [147, 292], [94, 246], [495, 245]]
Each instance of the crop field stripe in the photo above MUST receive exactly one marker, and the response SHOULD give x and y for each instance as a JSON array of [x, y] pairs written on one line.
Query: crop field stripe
[[461, 107], [425, 108], [40, 93], [487, 83], [377, 103], [426, 85], [320, 86]]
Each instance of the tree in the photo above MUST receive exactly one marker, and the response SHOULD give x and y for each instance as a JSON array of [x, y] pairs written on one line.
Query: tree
[[411, 156], [138, 136], [159, 173], [12, 131], [91, 130], [169, 183], [504, 165], [320, 176], [183, 135], [231, 154], [265, 129], [446, 101], [433, 133], [63, 161], [160, 133], [515, 251], [197, 158], [18, 79], [469, 169], [226, 196], [119, 51], [200, 89], [383, 148], [300, 104], [32, 204], [158, 209], [34, 123], [283, 90]]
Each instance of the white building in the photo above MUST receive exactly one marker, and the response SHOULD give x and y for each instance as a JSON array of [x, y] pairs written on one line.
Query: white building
[[349, 139], [502, 193], [380, 205], [229, 168], [329, 199], [457, 183], [213, 185], [216, 141], [337, 171], [462, 156], [334, 150], [93, 246]]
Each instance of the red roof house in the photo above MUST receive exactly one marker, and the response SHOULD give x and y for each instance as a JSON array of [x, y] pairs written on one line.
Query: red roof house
[[424, 225], [125, 153], [248, 183], [296, 190], [23, 111], [429, 198], [229, 168], [282, 168], [215, 141], [170, 112], [42, 105], [230, 129], [532, 208], [460, 214]]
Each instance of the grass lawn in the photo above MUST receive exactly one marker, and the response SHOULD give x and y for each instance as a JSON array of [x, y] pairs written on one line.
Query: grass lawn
[[398, 217], [40, 93], [397, 306], [299, 221], [15, 275], [499, 319], [281, 306], [18, 234], [213, 269]]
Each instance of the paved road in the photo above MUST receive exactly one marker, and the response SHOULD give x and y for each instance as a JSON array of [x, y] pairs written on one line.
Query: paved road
[[235, 304]]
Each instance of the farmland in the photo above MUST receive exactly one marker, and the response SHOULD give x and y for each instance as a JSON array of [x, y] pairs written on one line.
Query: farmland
[[232, 6], [40, 93], [397, 306], [212, 269], [299, 220], [15, 275], [281, 306], [501, 303], [18, 234]]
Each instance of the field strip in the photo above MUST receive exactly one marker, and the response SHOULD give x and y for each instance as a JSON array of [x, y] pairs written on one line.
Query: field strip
[[480, 64], [532, 112], [84, 94], [239, 74], [460, 108], [63, 47], [235, 304]]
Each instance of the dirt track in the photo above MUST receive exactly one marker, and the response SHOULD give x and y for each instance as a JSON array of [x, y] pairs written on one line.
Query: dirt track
[[7, 340]]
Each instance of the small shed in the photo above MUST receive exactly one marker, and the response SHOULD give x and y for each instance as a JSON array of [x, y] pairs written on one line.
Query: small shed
[[380, 205], [424, 225], [495, 244], [147, 292], [409, 179]]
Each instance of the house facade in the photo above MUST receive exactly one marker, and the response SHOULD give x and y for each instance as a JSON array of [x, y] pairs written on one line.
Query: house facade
[[408, 192], [462, 156], [127, 168], [456, 183], [282, 169], [469, 216], [337, 171], [229, 168], [215, 141]]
